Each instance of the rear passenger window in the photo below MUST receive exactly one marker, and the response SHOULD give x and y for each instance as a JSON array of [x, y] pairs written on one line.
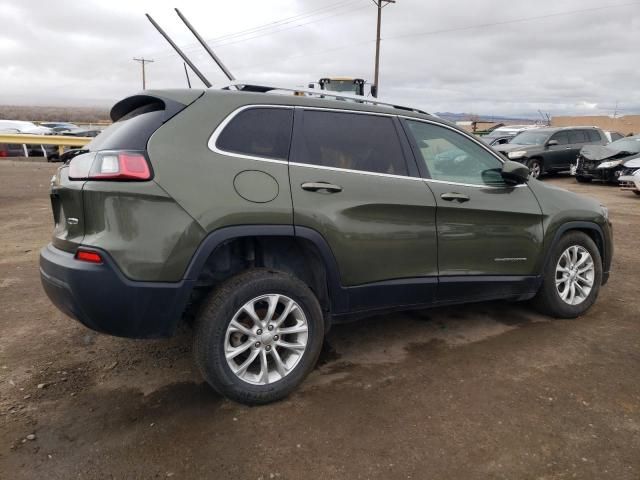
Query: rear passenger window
[[351, 141], [577, 136], [259, 132], [594, 136]]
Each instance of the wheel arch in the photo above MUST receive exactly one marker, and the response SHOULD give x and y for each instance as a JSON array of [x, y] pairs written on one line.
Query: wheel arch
[[302, 252], [593, 230]]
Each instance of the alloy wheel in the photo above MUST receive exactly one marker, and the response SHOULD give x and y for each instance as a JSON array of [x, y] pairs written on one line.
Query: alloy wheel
[[575, 274], [535, 169], [266, 339]]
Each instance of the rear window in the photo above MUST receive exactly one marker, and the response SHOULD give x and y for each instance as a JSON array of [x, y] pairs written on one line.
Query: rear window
[[616, 136], [259, 132], [350, 141], [132, 131]]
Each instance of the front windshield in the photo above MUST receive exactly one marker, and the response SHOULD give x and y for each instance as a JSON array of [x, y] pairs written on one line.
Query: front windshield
[[341, 86], [630, 144], [530, 138]]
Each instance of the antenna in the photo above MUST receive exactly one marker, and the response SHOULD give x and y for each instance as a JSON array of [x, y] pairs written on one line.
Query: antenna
[[180, 52], [206, 46]]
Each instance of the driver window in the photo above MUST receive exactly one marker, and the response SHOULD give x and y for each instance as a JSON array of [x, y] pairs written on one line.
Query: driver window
[[451, 157]]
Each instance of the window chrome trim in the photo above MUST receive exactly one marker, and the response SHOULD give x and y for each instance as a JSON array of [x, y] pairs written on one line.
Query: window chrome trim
[[211, 144], [348, 170]]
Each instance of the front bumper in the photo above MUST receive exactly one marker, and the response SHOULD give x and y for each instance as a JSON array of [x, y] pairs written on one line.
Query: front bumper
[[103, 299], [630, 182]]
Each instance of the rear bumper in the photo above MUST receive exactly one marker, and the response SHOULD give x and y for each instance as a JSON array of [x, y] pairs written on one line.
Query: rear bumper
[[103, 299]]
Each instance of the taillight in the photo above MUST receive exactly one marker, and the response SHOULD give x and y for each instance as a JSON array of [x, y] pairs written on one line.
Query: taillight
[[118, 165], [88, 256], [4, 153]]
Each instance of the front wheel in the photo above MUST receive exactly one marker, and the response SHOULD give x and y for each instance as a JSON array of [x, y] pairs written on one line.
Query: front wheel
[[572, 277], [258, 336], [535, 166]]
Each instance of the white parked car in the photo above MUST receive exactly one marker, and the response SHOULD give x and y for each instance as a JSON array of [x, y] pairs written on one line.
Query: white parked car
[[22, 126]]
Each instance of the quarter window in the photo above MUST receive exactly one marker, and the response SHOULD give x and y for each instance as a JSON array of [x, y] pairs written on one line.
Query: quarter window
[[351, 141], [259, 132], [451, 157]]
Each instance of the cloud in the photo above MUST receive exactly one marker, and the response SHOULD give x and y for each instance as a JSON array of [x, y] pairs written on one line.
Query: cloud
[[495, 57]]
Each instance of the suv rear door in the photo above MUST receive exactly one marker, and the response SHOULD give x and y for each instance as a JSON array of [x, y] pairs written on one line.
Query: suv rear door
[[351, 183]]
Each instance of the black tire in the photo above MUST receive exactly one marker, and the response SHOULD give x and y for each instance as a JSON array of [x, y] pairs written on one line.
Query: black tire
[[636, 192], [536, 167], [581, 179], [217, 312], [548, 300]]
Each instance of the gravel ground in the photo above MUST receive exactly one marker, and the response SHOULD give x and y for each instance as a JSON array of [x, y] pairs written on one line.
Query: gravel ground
[[489, 390]]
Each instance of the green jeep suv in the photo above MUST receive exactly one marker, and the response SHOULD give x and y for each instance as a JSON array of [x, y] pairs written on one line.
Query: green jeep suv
[[266, 217]]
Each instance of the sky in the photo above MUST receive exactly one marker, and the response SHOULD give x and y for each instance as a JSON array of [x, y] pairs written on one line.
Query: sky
[[491, 57]]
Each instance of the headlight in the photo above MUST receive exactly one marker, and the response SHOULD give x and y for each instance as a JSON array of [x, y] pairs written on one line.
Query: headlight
[[516, 154], [636, 173], [610, 164], [605, 212]]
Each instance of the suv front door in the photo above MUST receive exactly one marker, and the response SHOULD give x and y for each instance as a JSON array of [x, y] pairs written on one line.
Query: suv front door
[[351, 183], [489, 232]]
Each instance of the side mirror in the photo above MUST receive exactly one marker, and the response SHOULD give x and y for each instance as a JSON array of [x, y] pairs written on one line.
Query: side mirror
[[515, 172], [551, 143]]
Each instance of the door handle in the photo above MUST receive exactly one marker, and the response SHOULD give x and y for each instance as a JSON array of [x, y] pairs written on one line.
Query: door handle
[[454, 197], [316, 186]]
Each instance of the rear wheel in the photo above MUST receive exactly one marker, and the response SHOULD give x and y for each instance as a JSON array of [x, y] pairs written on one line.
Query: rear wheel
[[636, 192], [581, 179], [258, 336], [535, 166], [572, 277]]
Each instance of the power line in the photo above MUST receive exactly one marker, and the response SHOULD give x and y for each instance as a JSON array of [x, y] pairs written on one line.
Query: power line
[[516, 20], [436, 32], [143, 61], [264, 29]]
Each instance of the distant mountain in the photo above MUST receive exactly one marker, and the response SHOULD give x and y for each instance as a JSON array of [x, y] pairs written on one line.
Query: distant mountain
[[461, 117]]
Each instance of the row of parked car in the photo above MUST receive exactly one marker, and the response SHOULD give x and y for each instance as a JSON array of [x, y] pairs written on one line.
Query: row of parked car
[[50, 152], [589, 153]]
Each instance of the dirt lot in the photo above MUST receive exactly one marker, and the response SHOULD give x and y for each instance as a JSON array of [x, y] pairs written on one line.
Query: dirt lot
[[482, 391]]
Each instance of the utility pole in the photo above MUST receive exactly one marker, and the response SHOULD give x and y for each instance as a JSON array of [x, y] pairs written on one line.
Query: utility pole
[[143, 62], [380, 4]]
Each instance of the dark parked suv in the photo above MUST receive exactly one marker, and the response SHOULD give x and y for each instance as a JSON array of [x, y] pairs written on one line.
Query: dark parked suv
[[546, 150], [267, 217]]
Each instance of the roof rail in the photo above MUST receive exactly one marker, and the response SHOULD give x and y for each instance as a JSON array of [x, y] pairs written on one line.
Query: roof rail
[[252, 87]]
